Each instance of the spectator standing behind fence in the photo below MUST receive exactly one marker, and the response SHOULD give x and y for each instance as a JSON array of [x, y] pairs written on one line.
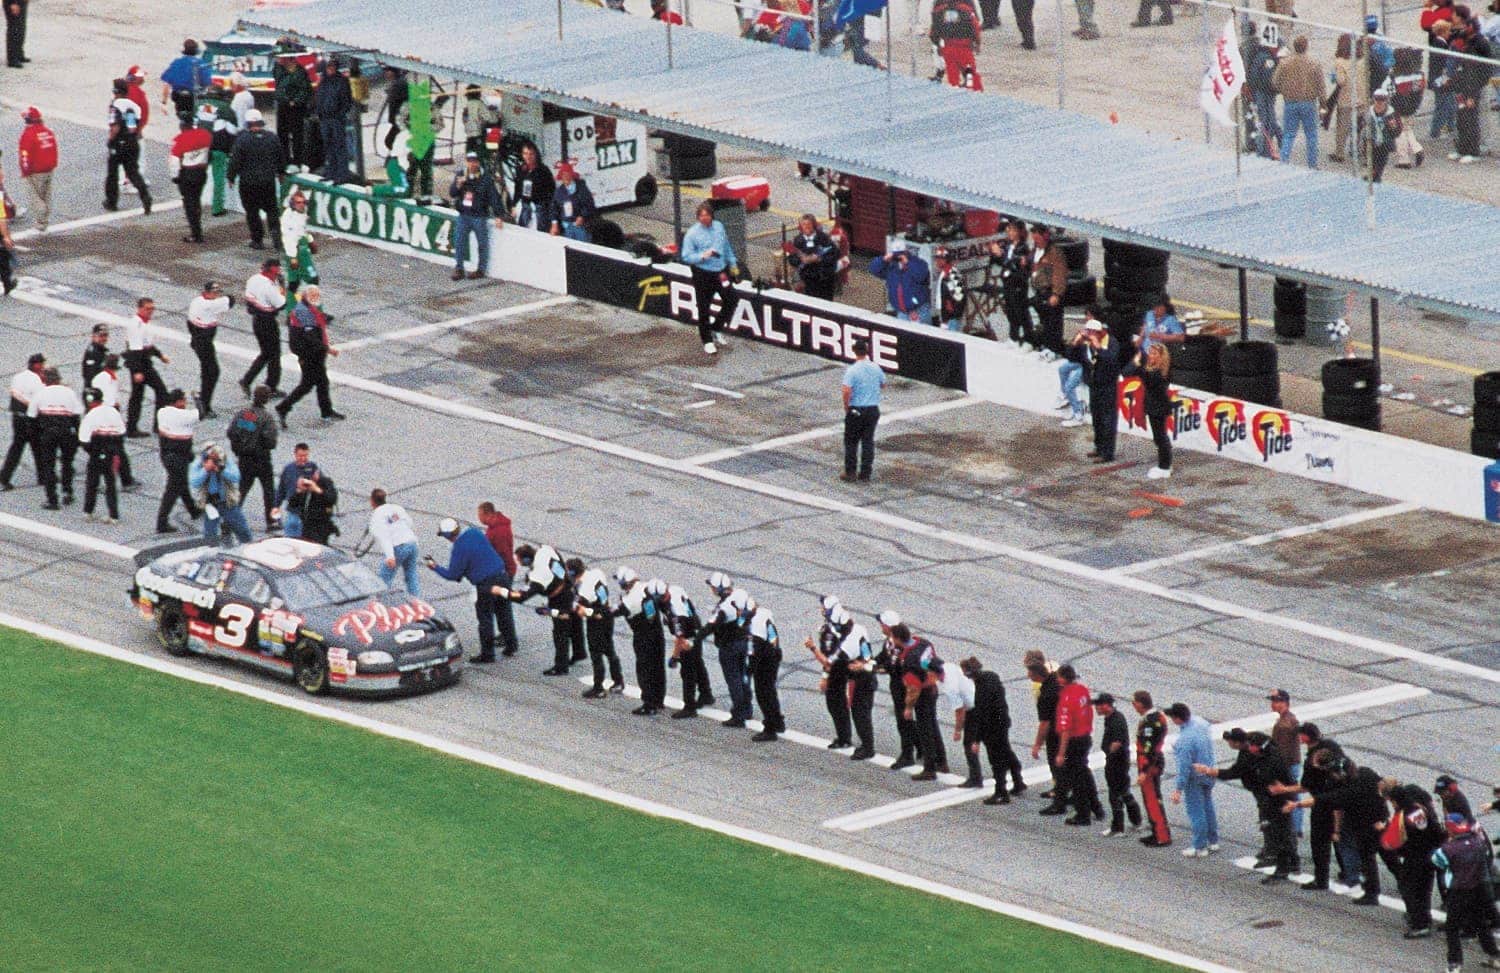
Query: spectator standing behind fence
[[1013, 258], [1472, 77], [1299, 81], [1049, 281], [531, 190], [478, 201], [1342, 98], [1440, 71], [572, 205], [1261, 59], [1408, 84], [332, 102], [816, 257], [293, 94], [908, 283], [1384, 127], [711, 259], [1158, 405]]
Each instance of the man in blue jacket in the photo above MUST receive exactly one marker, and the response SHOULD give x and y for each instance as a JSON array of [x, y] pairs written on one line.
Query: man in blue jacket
[[908, 283], [1195, 790], [184, 78], [473, 560], [215, 481], [710, 256]]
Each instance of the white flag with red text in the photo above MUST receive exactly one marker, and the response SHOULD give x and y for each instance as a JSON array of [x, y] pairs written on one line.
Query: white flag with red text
[[1224, 77]]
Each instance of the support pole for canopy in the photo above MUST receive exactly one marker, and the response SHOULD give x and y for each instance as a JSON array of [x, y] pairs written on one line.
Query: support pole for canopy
[[1244, 307], [1375, 332]]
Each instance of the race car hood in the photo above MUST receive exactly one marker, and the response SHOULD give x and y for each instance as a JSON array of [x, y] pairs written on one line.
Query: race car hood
[[394, 622]]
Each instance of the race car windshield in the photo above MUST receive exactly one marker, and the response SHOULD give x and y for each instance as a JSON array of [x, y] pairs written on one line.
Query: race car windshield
[[330, 586]]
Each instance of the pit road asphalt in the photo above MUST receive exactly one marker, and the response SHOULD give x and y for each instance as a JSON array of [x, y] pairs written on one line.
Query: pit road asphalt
[[992, 475]]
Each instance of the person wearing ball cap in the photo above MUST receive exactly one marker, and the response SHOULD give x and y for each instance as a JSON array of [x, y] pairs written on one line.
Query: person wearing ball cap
[[888, 661], [474, 560], [646, 638], [1465, 863], [572, 205], [38, 160], [542, 572]]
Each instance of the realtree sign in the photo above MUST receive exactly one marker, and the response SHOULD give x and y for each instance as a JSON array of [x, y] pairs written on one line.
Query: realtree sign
[[353, 211]]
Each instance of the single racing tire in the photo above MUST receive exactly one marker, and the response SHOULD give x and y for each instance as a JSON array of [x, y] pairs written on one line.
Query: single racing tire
[[1248, 359], [310, 667], [172, 628]]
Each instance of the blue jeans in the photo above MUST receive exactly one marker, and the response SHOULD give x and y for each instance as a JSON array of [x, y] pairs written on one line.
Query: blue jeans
[[733, 660], [1265, 116], [291, 524], [921, 314], [480, 227], [1304, 115], [1295, 770], [1198, 800], [1070, 376], [575, 232], [406, 561], [233, 519], [1351, 871], [1444, 111], [335, 149]]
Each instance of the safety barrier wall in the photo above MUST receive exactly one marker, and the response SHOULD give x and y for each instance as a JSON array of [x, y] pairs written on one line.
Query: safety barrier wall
[[1274, 439]]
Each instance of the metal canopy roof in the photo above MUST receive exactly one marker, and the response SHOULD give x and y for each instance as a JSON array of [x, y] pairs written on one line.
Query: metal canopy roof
[[981, 150]]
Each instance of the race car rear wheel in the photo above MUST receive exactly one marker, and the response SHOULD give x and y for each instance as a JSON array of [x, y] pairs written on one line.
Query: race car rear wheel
[[310, 668], [171, 628]]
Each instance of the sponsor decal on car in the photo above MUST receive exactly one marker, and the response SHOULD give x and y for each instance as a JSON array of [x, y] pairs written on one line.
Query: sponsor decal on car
[[364, 623], [341, 665], [148, 581]]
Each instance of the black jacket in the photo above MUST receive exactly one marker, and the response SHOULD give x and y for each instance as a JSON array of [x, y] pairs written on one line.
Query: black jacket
[[1106, 374], [1314, 778], [991, 711], [1359, 798], [93, 362], [333, 98], [475, 195], [256, 158], [1116, 730], [539, 192]]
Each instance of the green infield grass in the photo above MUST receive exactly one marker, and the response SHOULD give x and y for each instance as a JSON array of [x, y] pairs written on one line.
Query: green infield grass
[[151, 823]]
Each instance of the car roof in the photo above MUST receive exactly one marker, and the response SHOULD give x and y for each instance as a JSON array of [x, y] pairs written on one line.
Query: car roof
[[289, 555]]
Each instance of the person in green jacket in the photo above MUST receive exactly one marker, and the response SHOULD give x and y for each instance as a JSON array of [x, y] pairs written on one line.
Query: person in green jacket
[[293, 96]]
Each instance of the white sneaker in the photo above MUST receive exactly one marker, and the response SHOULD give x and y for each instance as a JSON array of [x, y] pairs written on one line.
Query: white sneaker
[[1072, 422], [1061, 403], [1194, 853], [1111, 833], [709, 348], [1464, 160], [1157, 473], [1452, 156], [1214, 846]]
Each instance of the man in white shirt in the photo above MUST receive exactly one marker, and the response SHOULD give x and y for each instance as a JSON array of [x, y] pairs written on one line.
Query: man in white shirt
[[55, 410], [391, 527], [203, 316], [102, 435], [107, 383], [175, 425], [297, 245], [265, 298], [243, 99], [957, 692], [140, 355], [24, 385]]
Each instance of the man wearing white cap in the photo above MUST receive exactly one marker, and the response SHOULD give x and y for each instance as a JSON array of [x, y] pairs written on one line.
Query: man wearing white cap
[[474, 560], [908, 283], [1071, 371]]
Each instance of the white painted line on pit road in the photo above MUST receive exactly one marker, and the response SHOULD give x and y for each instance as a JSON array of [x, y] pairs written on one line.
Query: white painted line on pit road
[[825, 432], [426, 329], [813, 501], [714, 389], [1247, 862], [105, 217], [85, 541], [911, 807], [791, 736], [1229, 547], [701, 404], [574, 785]]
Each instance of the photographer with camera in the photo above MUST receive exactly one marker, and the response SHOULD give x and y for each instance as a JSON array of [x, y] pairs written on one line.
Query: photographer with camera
[[215, 482]]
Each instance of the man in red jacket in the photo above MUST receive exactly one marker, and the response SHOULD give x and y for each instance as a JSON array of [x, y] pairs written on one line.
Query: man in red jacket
[[1075, 727], [498, 531], [136, 79], [188, 165], [38, 158]]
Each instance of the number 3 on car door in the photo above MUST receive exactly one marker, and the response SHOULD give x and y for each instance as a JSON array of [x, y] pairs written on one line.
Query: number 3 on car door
[[234, 622]]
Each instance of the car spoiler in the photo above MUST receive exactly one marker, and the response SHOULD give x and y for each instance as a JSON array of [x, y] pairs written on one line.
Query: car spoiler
[[146, 556]]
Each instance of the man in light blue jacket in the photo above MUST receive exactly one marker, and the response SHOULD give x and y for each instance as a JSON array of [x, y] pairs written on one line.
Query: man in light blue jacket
[[707, 251], [1195, 745], [215, 481]]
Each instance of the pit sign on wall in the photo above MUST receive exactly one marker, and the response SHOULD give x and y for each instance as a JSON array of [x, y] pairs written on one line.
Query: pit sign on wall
[[351, 210]]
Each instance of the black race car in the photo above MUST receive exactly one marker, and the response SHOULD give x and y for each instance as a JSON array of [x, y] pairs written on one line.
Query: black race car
[[296, 608]]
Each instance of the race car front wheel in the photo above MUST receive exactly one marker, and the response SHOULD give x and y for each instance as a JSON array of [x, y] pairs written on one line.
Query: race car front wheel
[[310, 668], [171, 628]]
